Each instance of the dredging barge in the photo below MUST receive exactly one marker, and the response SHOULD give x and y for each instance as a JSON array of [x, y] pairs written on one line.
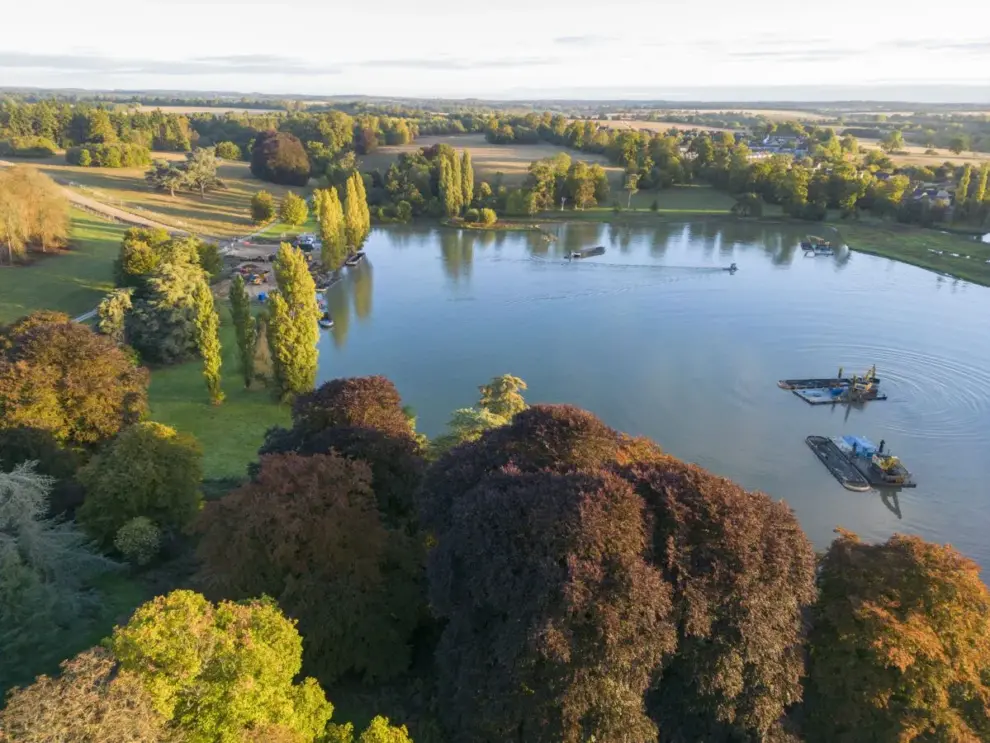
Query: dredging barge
[[839, 381], [836, 391], [859, 464]]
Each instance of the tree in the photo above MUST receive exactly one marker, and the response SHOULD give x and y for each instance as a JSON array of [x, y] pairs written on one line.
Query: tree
[[488, 217], [333, 235], [262, 207], [293, 332], [90, 701], [959, 144], [293, 210], [165, 176], [555, 622], [900, 644], [201, 170], [502, 396], [466, 425], [981, 194], [279, 157], [290, 534], [357, 220], [449, 188], [27, 444], [748, 205], [632, 187], [962, 190], [162, 323], [208, 341], [892, 141], [214, 672], [34, 213], [62, 377], [99, 127], [148, 470], [245, 327], [45, 564], [467, 179], [111, 311], [228, 151], [378, 731]]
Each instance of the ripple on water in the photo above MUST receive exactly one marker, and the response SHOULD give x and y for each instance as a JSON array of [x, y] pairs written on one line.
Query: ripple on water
[[946, 398]]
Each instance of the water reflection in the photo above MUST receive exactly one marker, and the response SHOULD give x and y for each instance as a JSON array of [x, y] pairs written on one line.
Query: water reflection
[[457, 251], [354, 290]]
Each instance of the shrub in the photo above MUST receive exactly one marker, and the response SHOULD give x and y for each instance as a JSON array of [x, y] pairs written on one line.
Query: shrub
[[262, 207], [27, 147], [403, 211], [84, 158], [472, 215], [109, 155], [149, 470], [228, 151], [139, 540], [293, 209], [279, 157], [488, 216]]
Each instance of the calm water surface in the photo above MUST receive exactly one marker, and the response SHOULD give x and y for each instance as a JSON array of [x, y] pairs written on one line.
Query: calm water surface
[[654, 339]]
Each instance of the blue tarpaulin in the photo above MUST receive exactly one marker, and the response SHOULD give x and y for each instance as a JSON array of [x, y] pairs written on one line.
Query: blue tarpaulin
[[861, 444]]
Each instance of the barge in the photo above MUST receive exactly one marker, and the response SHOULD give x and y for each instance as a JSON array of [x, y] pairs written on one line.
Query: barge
[[819, 383], [858, 464], [587, 252], [838, 463], [841, 395]]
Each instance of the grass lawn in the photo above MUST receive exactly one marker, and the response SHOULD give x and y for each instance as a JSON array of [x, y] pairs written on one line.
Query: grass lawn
[[231, 433], [224, 213], [913, 245], [277, 230], [678, 201], [73, 281]]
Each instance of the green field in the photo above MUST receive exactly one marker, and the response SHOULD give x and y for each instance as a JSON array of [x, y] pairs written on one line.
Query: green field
[[677, 201], [229, 433], [277, 230], [914, 245], [73, 281]]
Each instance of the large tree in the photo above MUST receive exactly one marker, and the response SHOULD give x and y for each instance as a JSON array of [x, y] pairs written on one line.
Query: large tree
[[307, 531], [467, 179], [262, 207], [357, 221], [208, 341], [201, 170], [149, 470], [164, 175], [293, 332], [162, 324], [293, 210], [279, 157], [216, 672], [333, 235], [62, 377], [245, 327], [900, 645], [34, 213]]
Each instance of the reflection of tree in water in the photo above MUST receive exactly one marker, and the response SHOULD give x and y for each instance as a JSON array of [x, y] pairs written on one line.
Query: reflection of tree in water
[[339, 306], [362, 285], [457, 253]]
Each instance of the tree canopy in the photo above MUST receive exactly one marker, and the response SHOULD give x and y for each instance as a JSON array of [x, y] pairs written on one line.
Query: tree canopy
[[34, 214], [279, 157]]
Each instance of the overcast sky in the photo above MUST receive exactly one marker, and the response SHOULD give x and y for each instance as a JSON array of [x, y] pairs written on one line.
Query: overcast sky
[[510, 48]]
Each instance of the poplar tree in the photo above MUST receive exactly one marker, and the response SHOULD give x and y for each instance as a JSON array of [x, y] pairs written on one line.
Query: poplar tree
[[357, 218], [292, 327], [332, 231], [963, 190], [208, 340], [244, 327], [981, 184], [467, 179], [455, 182], [449, 195]]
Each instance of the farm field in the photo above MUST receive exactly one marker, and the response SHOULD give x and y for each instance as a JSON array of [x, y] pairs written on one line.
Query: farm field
[[511, 160], [223, 213], [657, 126], [912, 154], [73, 281], [208, 109]]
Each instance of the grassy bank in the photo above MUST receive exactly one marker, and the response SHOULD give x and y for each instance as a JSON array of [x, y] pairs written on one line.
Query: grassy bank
[[914, 245], [231, 433], [72, 281]]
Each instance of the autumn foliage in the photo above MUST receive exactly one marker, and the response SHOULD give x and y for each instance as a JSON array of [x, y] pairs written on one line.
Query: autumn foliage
[[307, 531], [900, 648], [61, 377]]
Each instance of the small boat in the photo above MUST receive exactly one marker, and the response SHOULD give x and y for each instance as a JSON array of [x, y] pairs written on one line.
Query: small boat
[[817, 246], [881, 469], [354, 258], [587, 252], [325, 321], [838, 381]]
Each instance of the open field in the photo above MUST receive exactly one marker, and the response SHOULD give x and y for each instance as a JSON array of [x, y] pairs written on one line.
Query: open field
[[656, 126], [912, 154], [73, 281], [512, 160], [914, 245], [208, 109], [224, 213], [231, 433]]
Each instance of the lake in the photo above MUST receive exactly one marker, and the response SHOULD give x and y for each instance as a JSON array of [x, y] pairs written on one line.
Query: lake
[[656, 340]]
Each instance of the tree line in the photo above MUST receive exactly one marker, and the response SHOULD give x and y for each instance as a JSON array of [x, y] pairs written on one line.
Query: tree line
[[533, 574]]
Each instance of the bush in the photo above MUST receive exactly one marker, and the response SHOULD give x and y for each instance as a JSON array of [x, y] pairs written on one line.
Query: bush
[[293, 209], [113, 155], [228, 151], [488, 216], [27, 147], [139, 540], [472, 215], [279, 157], [262, 207], [149, 470], [403, 211]]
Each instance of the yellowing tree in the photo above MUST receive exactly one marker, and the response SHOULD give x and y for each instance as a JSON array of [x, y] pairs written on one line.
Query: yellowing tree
[[293, 332], [332, 230]]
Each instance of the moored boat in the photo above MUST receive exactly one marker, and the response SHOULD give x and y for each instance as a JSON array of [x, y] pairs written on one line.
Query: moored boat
[[354, 258], [838, 463], [325, 321], [880, 468], [826, 382], [587, 252], [817, 246]]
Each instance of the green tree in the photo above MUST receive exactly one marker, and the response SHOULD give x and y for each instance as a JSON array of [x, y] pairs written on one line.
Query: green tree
[[488, 217], [201, 170], [632, 187], [245, 327], [45, 565], [293, 332], [148, 470], [279, 157], [333, 235], [112, 311], [293, 210], [161, 325], [216, 672], [962, 190], [502, 396], [980, 194], [892, 141], [378, 731], [99, 127], [449, 190], [262, 207], [228, 151], [748, 205], [467, 179], [164, 176], [289, 534], [465, 425], [208, 340], [357, 220], [960, 143], [62, 377], [900, 644]]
